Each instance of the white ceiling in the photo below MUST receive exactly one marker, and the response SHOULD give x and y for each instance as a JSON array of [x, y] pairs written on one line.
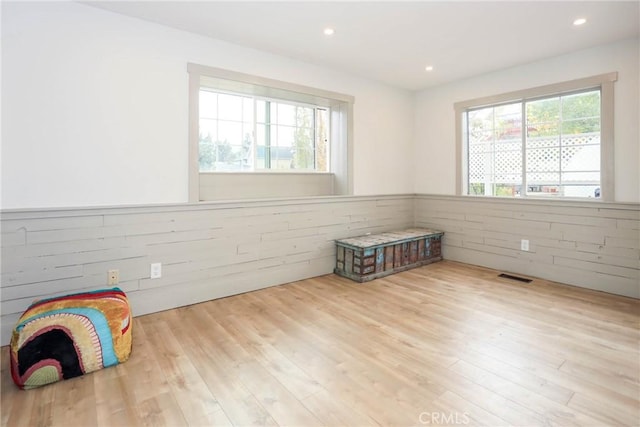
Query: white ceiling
[[392, 42]]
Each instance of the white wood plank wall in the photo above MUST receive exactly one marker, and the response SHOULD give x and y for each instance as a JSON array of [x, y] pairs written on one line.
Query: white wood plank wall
[[207, 250], [212, 250], [588, 244]]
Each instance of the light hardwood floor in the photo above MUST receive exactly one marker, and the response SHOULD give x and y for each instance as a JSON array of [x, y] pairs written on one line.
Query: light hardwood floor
[[446, 343]]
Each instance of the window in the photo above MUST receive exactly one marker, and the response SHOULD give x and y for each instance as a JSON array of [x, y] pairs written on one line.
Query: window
[[247, 133], [554, 142], [252, 137]]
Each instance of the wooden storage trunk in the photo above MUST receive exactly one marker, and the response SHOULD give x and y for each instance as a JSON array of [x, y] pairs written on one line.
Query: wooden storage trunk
[[368, 257]]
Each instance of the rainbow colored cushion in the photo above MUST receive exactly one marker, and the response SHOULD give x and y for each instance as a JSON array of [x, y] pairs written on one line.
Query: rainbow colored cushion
[[65, 337]]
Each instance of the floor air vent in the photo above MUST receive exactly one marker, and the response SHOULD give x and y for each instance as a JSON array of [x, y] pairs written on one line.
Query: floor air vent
[[519, 279]]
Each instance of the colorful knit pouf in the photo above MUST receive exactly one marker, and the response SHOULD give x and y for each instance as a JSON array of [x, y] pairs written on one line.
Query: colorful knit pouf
[[65, 337]]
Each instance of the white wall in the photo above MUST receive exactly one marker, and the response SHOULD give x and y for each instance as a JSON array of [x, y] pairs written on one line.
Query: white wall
[[435, 159], [94, 108]]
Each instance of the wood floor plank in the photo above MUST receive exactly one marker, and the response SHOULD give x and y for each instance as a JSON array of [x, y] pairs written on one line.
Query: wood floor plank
[[252, 335], [282, 405], [604, 391], [160, 410], [607, 376], [606, 412], [528, 380], [200, 343], [333, 411], [74, 399], [341, 398], [114, 405], [7, 388], [437, 345], [475, 414], [197, 403], [557, 412], [20, 409], [348, 377], [142, 374], [478, 395]]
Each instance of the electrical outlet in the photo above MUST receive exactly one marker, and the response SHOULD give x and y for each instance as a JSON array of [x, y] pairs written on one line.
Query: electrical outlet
[[524, 245], [156, 270], [113, 277]]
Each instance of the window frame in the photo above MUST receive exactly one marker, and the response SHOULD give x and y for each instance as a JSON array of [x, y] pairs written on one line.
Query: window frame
[[603, 82], [226, 81]]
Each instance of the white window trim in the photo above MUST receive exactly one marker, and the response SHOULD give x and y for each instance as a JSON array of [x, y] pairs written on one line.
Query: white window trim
[[341, 105], [607, 161]]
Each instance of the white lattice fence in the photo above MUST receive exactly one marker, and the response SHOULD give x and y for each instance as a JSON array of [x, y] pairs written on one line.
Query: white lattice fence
[[550, 160]]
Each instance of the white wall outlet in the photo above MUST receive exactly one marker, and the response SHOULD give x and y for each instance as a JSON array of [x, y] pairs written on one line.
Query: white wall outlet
[[156, 270], [524, 245], [113, 277]]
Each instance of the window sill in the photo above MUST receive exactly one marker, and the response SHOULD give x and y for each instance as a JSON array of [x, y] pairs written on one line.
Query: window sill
[[267, 172]]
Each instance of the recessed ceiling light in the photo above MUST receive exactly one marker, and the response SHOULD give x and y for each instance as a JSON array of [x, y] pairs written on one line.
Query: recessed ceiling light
[[329, 31], [579, 21], [429, 68]]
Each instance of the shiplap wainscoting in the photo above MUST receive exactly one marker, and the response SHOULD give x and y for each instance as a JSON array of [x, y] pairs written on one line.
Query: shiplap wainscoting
[[212, 250], [207, 250], [588, 244]]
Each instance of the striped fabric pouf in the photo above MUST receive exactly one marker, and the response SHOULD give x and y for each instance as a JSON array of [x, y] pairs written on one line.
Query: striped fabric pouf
[[68, 336]]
